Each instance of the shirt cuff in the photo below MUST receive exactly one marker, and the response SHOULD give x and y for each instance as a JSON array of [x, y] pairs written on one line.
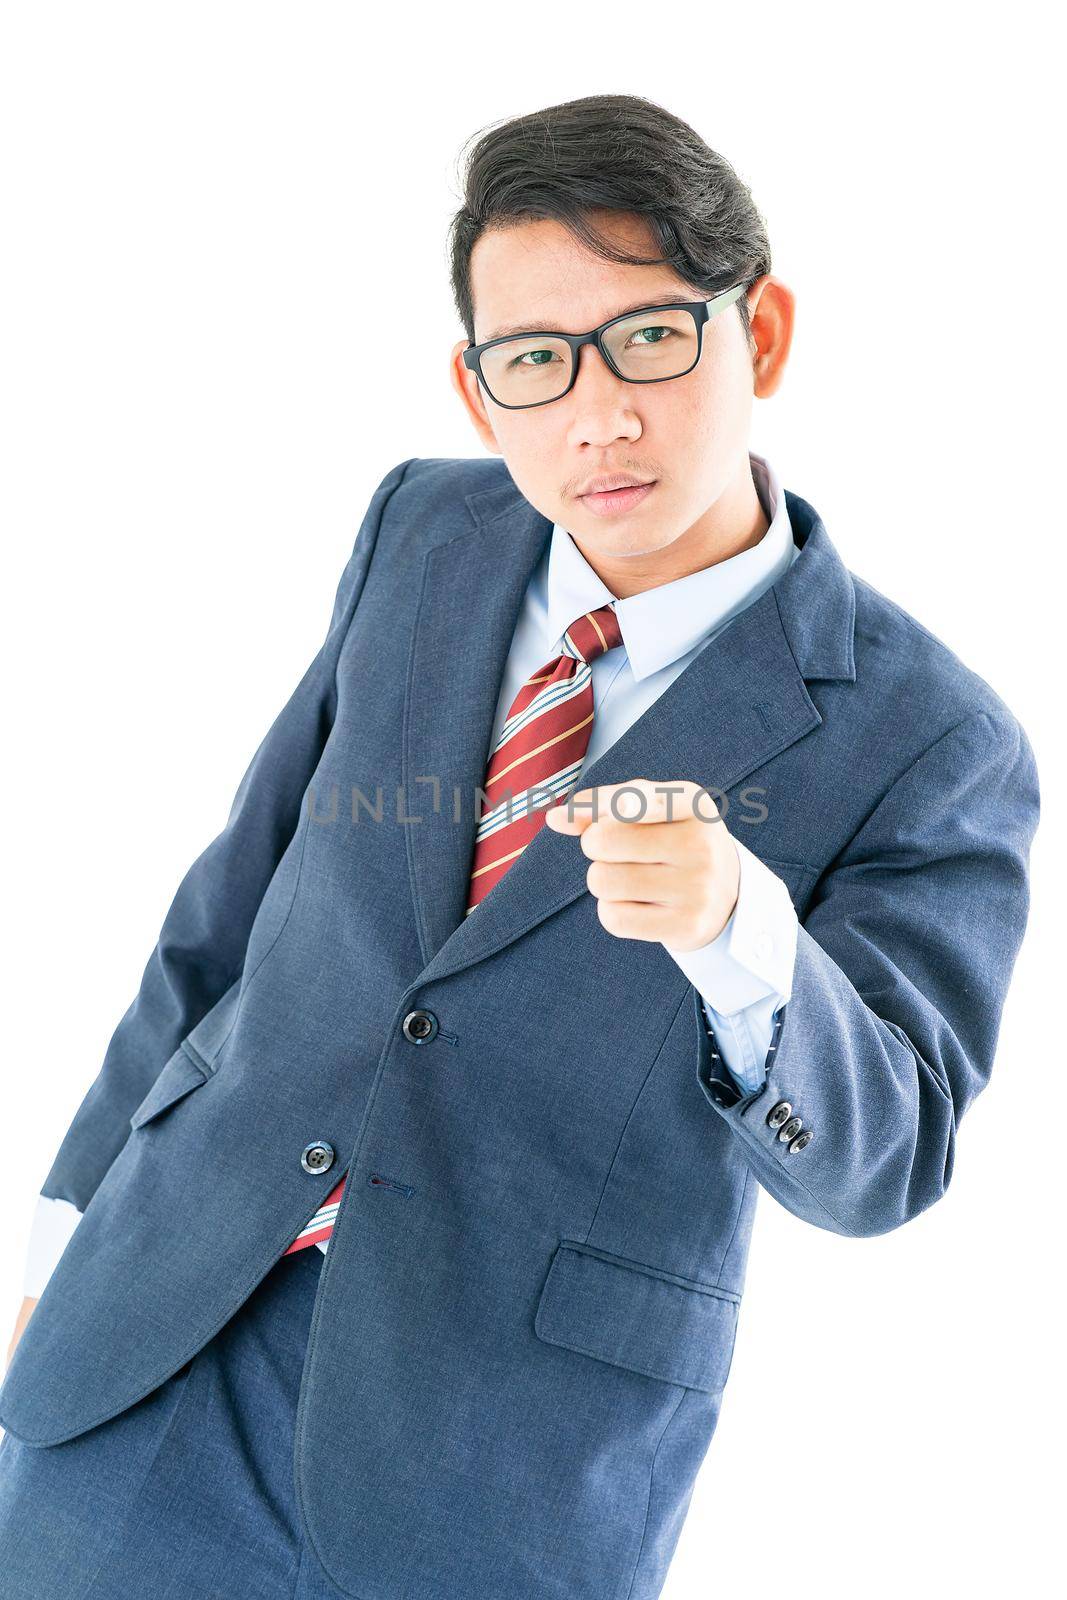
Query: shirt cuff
[[754, 955], [54, 1221]]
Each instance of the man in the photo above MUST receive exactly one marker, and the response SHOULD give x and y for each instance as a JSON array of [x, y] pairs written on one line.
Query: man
[[620, 855]]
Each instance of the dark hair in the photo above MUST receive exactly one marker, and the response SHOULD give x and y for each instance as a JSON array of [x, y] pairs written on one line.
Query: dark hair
[[614, 152]]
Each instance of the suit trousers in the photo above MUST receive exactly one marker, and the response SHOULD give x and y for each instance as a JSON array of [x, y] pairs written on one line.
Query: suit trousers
[[187, 1495]]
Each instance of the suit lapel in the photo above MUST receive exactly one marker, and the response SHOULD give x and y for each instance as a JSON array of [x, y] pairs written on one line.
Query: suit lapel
[[741, 701]]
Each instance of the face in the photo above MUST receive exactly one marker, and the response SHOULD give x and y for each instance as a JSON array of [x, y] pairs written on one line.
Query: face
[[688, 436]]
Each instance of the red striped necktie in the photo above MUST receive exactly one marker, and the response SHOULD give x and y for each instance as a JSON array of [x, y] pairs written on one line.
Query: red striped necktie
[[534, 765]]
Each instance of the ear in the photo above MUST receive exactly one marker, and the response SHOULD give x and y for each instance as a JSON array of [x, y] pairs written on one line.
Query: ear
[[771, 309], [465, 382]]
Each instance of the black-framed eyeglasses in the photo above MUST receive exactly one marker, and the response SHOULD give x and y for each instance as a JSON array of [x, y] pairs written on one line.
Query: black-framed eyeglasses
[[532, 369]]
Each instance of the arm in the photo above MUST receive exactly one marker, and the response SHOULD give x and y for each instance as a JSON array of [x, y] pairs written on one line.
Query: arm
[[902, 967], [201, 946], [745, 975], [53, 1223]]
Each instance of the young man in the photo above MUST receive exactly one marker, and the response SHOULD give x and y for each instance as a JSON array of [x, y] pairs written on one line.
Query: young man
[[414, 1195]]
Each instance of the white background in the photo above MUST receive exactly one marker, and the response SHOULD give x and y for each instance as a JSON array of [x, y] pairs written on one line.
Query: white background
[[207, 211]]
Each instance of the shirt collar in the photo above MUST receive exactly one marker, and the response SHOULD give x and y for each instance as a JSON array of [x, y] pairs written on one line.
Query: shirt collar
[[659, 625]]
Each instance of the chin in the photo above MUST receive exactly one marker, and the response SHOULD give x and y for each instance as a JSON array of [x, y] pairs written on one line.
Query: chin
[[625, 542]]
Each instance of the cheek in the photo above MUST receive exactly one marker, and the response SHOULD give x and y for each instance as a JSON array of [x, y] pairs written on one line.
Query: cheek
[[695, 427], [532, 460], [519, 443], [716, 412]]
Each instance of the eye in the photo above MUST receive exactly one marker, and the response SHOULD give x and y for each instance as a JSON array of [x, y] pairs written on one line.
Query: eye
[[653, 329], [550, 354]]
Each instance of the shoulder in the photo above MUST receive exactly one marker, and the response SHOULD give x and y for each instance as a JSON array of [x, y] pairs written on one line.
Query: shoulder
[[465, 474], [428, 500], [421, 504], [919, 679], [450, 479]]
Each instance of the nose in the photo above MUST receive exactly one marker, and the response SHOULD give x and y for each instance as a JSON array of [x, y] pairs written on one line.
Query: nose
[[602, 405]]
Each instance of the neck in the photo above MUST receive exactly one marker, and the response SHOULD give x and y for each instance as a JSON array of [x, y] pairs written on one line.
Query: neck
[[734, 522]]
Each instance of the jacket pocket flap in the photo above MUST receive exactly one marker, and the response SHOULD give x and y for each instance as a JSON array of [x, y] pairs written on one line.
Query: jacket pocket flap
[[211, 1032], [638, 1317], [180, 1074]]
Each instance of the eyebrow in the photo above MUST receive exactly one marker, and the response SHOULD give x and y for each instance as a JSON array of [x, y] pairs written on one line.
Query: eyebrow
[[513, 330]]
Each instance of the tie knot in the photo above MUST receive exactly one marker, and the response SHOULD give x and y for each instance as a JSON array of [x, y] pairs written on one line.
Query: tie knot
[[593, 632]]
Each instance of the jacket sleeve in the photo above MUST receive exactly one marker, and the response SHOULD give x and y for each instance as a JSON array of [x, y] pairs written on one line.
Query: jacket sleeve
[[902, 967], [201, 946]]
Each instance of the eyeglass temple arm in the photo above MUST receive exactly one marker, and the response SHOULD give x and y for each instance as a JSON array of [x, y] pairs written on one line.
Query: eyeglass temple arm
[[727, 298]]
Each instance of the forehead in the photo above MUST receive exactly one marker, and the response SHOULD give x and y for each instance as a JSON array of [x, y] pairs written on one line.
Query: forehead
[[536, 273]]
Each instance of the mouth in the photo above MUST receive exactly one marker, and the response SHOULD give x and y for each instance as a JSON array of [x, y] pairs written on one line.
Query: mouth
[[608, 502]]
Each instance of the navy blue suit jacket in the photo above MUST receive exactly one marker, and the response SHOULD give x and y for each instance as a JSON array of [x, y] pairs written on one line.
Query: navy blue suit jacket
[[526, 1317]]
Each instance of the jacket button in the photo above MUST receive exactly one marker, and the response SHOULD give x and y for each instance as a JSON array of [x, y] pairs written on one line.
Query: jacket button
[[317, 1157], [790, 1129], [801, 1141], [779, 1114], [419, 1026]]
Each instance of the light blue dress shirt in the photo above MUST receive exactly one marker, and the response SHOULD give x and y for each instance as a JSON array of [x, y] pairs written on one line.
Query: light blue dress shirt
[[745, 974]]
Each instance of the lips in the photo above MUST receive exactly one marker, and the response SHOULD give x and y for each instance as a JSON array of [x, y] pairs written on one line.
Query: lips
[[612, 481], [610, 501]]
